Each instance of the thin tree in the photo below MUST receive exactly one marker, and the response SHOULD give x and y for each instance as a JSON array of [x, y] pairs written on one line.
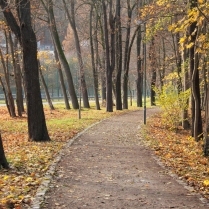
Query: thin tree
[[62, 83], [109, 53], [8, 90], [45, 87], [62, 58], [94, 65], [17, 76], [119, 55], [72, 21], [194, 76], [127, 53]]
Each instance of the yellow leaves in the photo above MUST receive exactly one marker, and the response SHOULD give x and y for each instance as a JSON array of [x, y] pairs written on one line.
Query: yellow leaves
[[30, 160], [182, 40], [29, 179], [190, 45], [171, 76], [201, 1], [181, 153], [206, 182], [6, 177]]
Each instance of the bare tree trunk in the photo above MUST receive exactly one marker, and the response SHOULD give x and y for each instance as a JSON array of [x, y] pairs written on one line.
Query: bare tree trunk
[[139, 81], [5, 94], [196, 130], [127, 53], [71, 18], [19, 97], [9, 96], [18, 78], [3, 160], [101, 61], [162, 72], [62, 83], [61, 54], [152, 58], [94, 67], [103, 78], [185, 116], [45, 87], [109, 65], [125, 59], [119, 55], [206, 129]]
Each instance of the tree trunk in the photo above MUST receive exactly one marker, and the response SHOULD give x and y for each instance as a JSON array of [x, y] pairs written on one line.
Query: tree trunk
[[118, 57], [127, 53], [125, 59], [196, 129], [8, 91], [61, 55], [139, 81], [185, 116], [37, 129], [94, 66], [71, 18], [62, 83], [36, 118], [45, 87], [162, 72], [18, 78], [152, 58], [19, 95], [197, 103], [5, 94], [3, 160], [109, 69], [178, 62], [103, 78], [206, 130]]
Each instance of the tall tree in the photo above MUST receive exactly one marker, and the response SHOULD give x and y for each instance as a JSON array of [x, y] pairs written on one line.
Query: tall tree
[[118, 56], [195, 84], [62, 83], [8, 90], [94, 64], [48, 6], [45, 87], [18, 80], [152, 58], [17, 75], [37, 129], [72, 21], [127, 52], [139, 80], [108, 54]]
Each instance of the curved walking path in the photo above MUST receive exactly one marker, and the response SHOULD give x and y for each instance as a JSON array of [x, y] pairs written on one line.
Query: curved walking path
[[108, 167]]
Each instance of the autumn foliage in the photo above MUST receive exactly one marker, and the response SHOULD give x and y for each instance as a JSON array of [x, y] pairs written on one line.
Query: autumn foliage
[[29, 161], [180, 153]]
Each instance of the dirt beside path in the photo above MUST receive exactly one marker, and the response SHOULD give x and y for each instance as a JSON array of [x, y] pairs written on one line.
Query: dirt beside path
[[108, 167]]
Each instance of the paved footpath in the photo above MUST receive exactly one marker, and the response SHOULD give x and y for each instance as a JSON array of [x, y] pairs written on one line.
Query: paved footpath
[[108, 167]]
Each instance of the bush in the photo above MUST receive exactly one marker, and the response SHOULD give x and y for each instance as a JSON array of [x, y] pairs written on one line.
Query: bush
[[172, 104]]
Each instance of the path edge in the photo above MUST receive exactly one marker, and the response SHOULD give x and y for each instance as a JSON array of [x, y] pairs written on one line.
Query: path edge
[[38, 199]]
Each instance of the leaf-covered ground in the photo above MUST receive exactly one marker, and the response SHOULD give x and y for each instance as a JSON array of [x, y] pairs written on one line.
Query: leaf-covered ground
[[30, 160], [180, 153]]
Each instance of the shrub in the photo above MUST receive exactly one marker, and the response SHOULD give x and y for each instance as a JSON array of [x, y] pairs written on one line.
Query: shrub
[[172, 104]]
